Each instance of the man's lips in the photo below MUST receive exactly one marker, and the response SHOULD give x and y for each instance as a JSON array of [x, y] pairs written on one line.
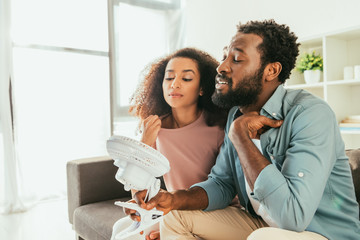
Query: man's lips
[[221, 82], [221, 79]]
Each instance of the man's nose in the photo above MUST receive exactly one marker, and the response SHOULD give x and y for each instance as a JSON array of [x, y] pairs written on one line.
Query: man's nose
[[223, 67]]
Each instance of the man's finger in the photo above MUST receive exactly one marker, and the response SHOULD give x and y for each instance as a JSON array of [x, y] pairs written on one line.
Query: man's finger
[[135, 217], [154, 235], [271, 123], [139, 197]]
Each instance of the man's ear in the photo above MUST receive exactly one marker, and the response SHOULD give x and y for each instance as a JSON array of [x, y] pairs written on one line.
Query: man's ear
[[272, 71]]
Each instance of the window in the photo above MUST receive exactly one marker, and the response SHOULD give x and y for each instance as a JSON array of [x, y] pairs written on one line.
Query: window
[[141, 32]]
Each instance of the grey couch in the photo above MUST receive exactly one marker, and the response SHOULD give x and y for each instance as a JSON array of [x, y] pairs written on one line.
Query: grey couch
[[93, 189]]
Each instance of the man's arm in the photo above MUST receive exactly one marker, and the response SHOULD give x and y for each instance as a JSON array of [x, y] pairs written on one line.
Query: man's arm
[[243, 129]]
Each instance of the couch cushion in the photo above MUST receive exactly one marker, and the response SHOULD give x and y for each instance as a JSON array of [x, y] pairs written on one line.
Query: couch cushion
[[354, 160], [94, 221]]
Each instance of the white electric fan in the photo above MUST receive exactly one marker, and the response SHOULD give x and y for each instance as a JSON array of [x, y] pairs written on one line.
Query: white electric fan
[[139, 165]]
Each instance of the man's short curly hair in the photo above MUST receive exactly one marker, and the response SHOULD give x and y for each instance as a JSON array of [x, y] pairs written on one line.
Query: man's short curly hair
[[279, 44]]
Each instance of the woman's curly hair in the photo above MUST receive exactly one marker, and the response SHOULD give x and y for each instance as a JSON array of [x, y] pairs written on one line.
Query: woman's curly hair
[[279, 44], [148, 98]]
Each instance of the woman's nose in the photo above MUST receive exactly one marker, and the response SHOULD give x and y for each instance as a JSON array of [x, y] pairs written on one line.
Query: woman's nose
[[176, 83]]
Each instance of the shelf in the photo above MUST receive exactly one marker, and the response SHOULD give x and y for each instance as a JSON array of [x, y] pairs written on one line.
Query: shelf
[[344, 82], [305, 85], [350, 132], [321, 84], [339, 50]]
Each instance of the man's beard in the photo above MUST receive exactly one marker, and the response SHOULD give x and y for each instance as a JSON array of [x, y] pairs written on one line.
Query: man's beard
[[246, 92]]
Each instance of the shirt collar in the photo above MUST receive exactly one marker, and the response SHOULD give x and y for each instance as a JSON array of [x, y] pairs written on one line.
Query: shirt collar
[[272, 107]]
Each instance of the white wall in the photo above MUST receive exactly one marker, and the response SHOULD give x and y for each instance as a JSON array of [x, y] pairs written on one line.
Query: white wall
[[212, 23]]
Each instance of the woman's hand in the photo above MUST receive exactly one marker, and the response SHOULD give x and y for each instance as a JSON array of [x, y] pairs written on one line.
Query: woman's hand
[[150, 128]]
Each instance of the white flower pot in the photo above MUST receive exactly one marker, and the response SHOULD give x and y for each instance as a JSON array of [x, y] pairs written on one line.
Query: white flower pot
[[312, 76]]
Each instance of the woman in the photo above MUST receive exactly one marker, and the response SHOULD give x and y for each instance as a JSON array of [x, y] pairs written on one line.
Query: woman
[[178, 117]]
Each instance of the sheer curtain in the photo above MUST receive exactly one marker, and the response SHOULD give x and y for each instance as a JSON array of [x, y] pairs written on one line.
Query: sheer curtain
[[58, 108], [8, 161]]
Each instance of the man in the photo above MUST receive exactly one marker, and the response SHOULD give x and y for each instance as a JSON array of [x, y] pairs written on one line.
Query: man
[[282, 155]]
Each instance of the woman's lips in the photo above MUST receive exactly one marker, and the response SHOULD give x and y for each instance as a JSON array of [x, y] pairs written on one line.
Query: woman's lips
[[175, 95]]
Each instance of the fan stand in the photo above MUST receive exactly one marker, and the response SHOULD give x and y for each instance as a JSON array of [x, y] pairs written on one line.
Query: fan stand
[[139, 165]]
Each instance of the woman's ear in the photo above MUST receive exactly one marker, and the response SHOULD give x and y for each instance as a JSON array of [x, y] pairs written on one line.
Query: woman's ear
[[272, 71], [201, 92]]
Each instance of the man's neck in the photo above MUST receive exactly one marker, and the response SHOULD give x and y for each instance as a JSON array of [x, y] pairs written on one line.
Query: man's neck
[[264, 96]]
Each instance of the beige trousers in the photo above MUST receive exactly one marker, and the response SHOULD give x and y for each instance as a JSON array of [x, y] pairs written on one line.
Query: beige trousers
[[225, 224]]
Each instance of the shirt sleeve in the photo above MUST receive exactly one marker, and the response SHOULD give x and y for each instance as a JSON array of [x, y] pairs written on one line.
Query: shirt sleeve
[[292, 194]]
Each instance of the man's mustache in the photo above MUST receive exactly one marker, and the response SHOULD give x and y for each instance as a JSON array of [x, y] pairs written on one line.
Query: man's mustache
[[223, 78]]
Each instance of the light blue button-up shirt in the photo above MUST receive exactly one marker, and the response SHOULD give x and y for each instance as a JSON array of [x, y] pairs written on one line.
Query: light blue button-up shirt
[[308, 186]]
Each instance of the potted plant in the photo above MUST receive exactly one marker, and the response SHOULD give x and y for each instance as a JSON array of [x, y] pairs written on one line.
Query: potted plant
[[311, 65]]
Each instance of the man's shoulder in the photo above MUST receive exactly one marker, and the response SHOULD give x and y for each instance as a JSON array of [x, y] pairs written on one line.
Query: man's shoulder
[[302, 98]]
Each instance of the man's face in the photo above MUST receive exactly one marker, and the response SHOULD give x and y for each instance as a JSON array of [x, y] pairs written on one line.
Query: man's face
[[240, 74]]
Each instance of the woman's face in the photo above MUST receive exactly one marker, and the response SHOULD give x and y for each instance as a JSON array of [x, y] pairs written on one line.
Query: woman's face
[[181, 84]]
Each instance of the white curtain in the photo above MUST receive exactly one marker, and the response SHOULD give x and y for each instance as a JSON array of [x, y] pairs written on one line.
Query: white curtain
[[9, 201], [55, 103]]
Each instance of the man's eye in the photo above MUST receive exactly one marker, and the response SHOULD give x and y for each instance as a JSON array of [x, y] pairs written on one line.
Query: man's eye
[[237, 60]]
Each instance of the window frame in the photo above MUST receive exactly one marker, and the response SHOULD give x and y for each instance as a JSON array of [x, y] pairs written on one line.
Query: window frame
[[120, 113]]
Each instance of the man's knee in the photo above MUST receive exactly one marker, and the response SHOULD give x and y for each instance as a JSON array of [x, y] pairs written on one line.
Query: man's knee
[[177, 223], [173, 218], [261, 233]]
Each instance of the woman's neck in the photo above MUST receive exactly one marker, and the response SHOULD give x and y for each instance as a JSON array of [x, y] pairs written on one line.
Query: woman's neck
[[182, 118]]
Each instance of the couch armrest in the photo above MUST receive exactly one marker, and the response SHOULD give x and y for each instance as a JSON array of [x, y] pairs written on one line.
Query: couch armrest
[[354, 160], [92, 180]]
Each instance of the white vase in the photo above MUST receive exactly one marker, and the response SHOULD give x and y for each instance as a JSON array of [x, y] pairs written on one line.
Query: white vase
[[312, 76]]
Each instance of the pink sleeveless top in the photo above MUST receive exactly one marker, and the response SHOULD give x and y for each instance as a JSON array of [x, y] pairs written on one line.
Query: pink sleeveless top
[[191, 151]]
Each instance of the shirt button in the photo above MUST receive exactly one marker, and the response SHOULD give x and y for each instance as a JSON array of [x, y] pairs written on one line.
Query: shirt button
[[274, 114], [300, 174]]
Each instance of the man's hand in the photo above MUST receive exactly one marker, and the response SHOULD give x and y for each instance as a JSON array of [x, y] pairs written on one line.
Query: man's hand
[[154, 235], [150, 128], [163, 201], [252, 125], [245, 128], [132, 212]]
